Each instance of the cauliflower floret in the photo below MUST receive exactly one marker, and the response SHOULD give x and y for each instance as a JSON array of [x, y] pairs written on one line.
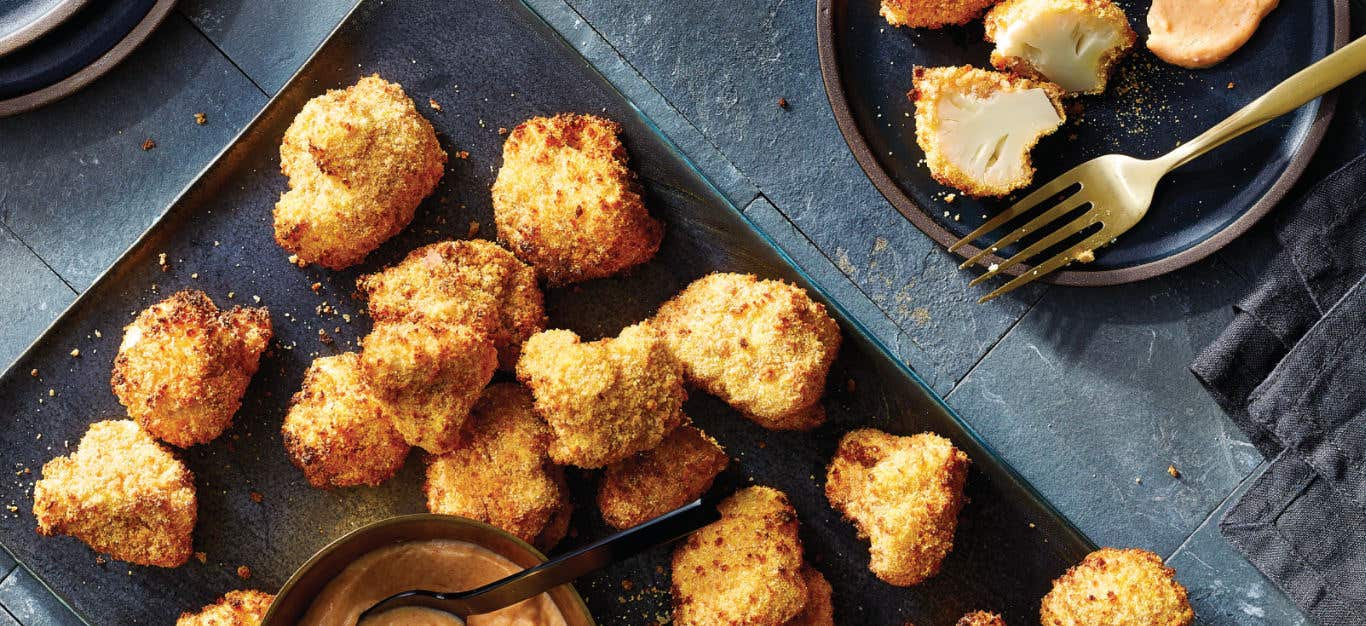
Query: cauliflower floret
[[932, 13], [977, 126], [1073, 43]]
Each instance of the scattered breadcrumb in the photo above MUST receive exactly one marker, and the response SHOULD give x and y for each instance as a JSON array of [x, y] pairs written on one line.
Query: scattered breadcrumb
[[1171, 469], [200, 118], [431, 102], [782, 103], [148, 144], [243, 572], [75, 352]]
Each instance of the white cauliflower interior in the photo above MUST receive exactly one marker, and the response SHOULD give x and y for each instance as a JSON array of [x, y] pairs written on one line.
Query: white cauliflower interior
[[989, 138], [1072, 43], [1069, 48]]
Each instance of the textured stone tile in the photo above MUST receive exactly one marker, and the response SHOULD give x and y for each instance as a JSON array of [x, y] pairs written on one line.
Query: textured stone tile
[[31, 602], [75, 183], [1225, 589], [1090, 399], [755, 52], [704, 155], [6, 619], [6, 562], [846, 293], [31, 296], [268, 40]]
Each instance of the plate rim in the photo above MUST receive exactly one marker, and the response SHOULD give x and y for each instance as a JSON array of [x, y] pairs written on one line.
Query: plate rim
[[26, 34], [832, 80], [97, 68]]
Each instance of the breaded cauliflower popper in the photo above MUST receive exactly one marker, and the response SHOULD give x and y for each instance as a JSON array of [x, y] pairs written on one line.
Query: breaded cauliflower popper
[[651, 483], [501, 473], [337, 431], [981, 618], [820, 608], [428, 374], [184, 364], [904, 495], [977, 127], [932, 13], [566, 203], [604, 400], [473, 283], [236, 608], [1128, 587], [763, 346], [745, 568], [121, 493], [359, 161], [1073, 43]]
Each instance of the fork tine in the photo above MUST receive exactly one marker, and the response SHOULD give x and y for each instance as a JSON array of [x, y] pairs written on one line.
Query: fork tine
[[1063, 208], [1028, 202], [1047, 267], [1072, 228]]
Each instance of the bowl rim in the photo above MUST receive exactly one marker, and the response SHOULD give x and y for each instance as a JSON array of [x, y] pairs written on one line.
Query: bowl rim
[[570, 594]]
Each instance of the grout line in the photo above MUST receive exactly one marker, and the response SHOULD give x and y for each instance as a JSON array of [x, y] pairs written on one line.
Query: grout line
[[1048, 289], [35, 254], [1252, 475], [220, 50], [641, 75], [4, 609]]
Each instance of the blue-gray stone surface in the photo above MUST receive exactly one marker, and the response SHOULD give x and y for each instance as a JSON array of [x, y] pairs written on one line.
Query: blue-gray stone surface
[[1085, 392]]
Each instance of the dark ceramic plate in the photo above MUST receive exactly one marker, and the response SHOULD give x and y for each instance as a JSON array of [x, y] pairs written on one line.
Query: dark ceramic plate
[[22, 21], [78, 51], [1148, 108], [490, 64]]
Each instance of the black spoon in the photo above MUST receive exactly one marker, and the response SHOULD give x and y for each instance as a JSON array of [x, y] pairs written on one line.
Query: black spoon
[[529, 583]]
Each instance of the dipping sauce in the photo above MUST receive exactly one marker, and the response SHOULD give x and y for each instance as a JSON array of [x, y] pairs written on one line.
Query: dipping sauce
[[435, 565], [1200, 33]]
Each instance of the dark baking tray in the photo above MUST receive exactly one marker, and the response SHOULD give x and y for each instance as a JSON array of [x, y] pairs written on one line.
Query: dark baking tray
[[489, 64]]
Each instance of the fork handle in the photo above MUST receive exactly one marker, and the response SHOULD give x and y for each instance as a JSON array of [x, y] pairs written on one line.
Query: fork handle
[[1309, 83]]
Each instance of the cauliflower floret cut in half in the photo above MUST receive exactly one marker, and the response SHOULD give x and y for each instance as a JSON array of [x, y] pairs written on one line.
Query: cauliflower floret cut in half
[[977, 127], [1073, 43]]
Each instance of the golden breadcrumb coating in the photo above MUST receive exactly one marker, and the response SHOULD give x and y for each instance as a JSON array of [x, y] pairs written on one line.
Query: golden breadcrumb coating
[[236, 608], [337, 431], [566, 203], [932, 13], [501, 473], [977, 127], [745, 568], [981, 618], [604, 400], [121, 493], [904, 495], [1128, 587], [651, 483], [1072, 43], [359, 161], [473, 283], [429, 375], [184, 364], [763, 346], [819, 609]]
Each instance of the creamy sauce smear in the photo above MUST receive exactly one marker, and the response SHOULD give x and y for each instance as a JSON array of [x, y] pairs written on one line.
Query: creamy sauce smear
[[436, 565], [1200, 33]]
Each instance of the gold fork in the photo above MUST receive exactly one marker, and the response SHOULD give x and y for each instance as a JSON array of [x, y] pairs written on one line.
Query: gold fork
[[1120, 188]]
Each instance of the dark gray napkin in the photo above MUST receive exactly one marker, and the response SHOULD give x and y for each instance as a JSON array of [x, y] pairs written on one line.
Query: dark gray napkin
[[1291, 372]]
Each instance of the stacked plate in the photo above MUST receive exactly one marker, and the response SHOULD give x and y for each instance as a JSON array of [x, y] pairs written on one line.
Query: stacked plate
[[51, 48]]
